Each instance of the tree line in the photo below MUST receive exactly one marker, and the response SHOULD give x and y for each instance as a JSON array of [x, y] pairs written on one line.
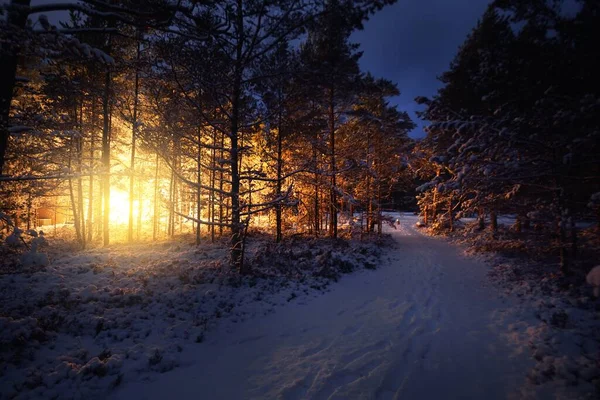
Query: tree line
[[515, 128], [217, 111]]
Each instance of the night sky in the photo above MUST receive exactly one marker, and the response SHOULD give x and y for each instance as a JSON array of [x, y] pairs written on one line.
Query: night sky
[[412, 42]]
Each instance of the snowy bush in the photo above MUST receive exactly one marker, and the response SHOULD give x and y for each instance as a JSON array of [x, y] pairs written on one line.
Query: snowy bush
[[593, 278], [22, 248]]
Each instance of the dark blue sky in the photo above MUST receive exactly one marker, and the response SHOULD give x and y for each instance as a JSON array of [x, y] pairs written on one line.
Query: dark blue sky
[[412, 42]]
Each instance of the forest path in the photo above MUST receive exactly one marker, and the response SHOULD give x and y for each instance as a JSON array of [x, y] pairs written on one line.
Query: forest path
[[423, 325]]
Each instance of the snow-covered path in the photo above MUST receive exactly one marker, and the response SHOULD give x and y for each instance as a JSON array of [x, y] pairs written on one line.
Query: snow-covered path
[[425, 325]]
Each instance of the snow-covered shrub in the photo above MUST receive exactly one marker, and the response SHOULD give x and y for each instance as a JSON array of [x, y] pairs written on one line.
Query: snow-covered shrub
[[23, 247], [15, 239], [593, 278], [32, 257]]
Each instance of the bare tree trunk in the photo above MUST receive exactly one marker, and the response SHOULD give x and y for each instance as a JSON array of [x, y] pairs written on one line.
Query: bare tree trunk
[[379, 216], [369, 189], [221, 199], [199, 191], [75, 213], [317, 220], [519, 224], [370, 216], [236, 239], [333, 192], [176, 188], [213, 177], [493, 220], [106, 159], [29, 204], [562, 238], [90, 213], [435, 199], [450, 216], [133, 139], [526, 222], [155, 208], [72, 198], [79, 149], [278, 208], [92, 168], [171, 223]]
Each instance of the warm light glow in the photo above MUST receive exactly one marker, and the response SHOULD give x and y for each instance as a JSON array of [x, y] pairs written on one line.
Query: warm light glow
[[119, 206]]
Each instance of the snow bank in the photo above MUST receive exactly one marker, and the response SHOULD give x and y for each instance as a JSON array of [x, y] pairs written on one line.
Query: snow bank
[[562, 335], [557, 321]]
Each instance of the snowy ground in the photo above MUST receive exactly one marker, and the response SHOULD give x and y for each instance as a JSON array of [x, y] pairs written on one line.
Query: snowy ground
[[146, 323], [423, 325], [93, 320]]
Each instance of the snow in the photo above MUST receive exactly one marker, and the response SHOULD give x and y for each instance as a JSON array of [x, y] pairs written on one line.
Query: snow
[[33, 258], [80, 325], [423, 325], [169, 321]]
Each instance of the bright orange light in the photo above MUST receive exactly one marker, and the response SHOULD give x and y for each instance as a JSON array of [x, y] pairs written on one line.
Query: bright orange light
[[119, 206]]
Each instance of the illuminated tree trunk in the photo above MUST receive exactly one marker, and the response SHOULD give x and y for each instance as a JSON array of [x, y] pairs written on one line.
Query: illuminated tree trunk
[[236, 227], [79, 149], [493, 220], [379, 221], [76, 219], [333, 193], [74, 210], [155, 218], [213, 173], [90, 213], [106, 159], [177, 188], [316, 185], [450, 216], [29, 203], [221, 197], [171, 223], [199, 191], [278, 208], [133, 139], [369, 191], [481, 218], [370, 215]]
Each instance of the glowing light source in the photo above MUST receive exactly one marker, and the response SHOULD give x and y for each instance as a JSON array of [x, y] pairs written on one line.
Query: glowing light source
[[119, 206]]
